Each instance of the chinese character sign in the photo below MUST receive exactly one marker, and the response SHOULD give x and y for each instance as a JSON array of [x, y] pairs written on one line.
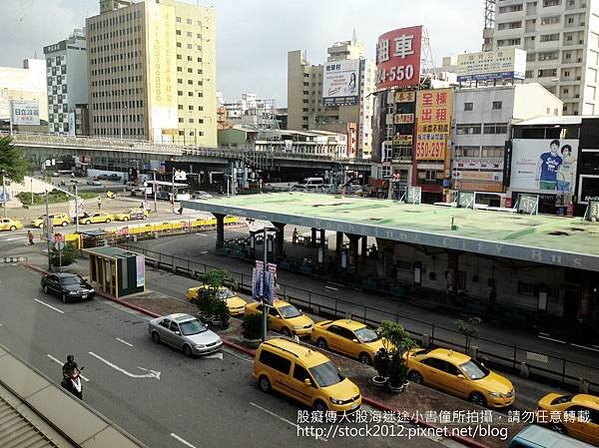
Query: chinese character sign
[[433, 123], [340, 84], [25, 113], [398, 58]]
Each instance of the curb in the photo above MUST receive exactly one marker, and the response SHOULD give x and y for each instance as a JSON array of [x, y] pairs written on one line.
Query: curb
[[471, 443]]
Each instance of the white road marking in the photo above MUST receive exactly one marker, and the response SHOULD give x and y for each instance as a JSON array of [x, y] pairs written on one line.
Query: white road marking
[[183, 441], [552, 339], [217, 355], [574, 345], [151, 374], [49, 306], [283, 419], [124, 342], [232, 353], [204, 252], [58, 361], [331, 288]]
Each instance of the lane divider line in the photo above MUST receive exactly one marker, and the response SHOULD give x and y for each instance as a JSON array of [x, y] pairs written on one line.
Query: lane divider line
[[58, 361], [124, 342], [283, 419], [49, 306], [180, 439]]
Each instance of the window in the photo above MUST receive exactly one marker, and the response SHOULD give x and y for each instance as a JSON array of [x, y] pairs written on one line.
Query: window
[[526, 289], [550, 37], [549, 3], [468, 129], [497, 105], [495, 128], [511, 8], [467, 151], [509, 42], [550, 20], [174, 327], [492, 152], [468, 106], [189, 21], [301, 374], [178, 19], [549, 56], [275, 361]]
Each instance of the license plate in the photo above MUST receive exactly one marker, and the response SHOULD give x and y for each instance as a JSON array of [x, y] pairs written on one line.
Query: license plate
[[84, 296], [355, 406]]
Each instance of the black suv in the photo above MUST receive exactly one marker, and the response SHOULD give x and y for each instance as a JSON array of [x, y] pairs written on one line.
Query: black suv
[[68, 287]]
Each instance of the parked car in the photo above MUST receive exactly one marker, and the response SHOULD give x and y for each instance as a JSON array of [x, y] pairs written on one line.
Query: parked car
[[235, 303], [68, 287], [94, 183], [58, 219], [311, 184], [112, 177], [284, 318], [201, 195], [305, 375], [534, 436], [133, 214], [459, 374], [184, 332], [567, 405], [349, 337], [96, 218], [10, 224]]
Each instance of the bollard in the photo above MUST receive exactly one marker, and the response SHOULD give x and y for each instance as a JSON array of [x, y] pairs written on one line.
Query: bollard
[[583, 386], [524, 370], [473, 351], [426, 341]]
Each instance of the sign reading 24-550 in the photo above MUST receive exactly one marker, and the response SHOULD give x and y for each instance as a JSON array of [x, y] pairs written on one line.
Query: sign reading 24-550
[[398, 58]]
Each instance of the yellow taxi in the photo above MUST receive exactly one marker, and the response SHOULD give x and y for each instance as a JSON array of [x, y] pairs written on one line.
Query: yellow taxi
[[349, 337], [284, 318], [305, 375], [133, 214], [10, 224], [58, 219], [96, 218], [235, 303], [578, 415], [460, 375]]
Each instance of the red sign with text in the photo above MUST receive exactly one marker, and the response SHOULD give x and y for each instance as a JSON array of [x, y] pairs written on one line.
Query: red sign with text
[[398, 58]]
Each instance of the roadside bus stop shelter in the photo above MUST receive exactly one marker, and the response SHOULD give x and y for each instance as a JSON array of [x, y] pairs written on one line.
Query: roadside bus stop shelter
[[115, 271]]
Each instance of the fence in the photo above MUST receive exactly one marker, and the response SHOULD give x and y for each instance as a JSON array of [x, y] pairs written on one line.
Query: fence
[[543, 366]]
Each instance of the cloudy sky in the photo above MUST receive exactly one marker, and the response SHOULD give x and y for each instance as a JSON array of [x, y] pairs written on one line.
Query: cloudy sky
[[253, 36]]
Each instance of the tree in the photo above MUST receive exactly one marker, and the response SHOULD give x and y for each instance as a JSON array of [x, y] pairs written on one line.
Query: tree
[[12, 160], [468, 328], [209, 300]]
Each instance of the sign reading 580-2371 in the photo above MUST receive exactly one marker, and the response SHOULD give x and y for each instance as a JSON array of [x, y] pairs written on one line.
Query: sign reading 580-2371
[[398, 58]]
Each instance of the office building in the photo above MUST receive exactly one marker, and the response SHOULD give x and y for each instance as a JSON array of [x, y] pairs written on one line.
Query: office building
[[561, 38], [66, 75], [152, 72]]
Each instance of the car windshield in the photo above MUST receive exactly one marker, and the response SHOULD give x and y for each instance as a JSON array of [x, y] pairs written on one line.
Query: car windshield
[[562, 399], [289, 311], [366, 335], [192, 327], [71, 281], [474, 370], [224, 294], [326, 374]]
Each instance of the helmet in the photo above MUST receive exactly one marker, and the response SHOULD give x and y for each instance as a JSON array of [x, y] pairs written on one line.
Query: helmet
[[70, 358]]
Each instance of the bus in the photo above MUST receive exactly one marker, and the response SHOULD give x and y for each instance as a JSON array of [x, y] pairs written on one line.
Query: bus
[[164, 190]]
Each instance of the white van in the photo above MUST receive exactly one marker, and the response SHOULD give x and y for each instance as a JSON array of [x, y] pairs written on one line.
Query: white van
[[310, 184]]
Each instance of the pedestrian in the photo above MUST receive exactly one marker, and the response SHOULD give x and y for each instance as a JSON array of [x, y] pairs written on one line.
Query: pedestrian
[[294, 236], [30, 237], [99, 203]]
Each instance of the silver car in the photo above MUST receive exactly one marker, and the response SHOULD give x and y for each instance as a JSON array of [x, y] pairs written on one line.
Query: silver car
[[186, 333]]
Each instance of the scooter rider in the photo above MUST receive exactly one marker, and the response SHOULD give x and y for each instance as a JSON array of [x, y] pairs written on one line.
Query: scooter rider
[[68, 368]]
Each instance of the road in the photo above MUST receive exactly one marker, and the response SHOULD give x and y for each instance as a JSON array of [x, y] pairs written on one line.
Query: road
[[207, 402]]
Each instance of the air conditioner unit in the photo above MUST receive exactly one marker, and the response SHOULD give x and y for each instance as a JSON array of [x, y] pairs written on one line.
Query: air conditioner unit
[[578, 78]]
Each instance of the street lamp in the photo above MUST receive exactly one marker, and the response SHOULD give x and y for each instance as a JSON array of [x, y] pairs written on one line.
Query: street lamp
[[267, 231]]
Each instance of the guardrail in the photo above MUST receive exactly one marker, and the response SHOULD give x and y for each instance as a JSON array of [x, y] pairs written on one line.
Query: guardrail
[[547, 367]]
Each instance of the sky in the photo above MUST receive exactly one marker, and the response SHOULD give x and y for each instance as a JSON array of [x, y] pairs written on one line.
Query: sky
[[254, 36]]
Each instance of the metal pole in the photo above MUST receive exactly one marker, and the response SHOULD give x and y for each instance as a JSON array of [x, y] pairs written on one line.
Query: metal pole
[[154, 191], [76, 210], [228, 184], [173, 192], [264, 311], [4, 194], [121, 123], [47, 235]]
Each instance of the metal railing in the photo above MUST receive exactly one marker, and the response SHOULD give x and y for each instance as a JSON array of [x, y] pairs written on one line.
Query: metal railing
[[552, 368]]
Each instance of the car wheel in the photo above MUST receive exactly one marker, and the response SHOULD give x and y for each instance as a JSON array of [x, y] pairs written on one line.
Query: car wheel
[[13, 228], [264, 384], [155, 337], [321, 406], [321, 343], [125, 219], [45, 289], [415, 377], [478, 398], [558, 427], [107, 220], [64, 223], [286, 332], [365, 359], [63, 297], [187, 351]]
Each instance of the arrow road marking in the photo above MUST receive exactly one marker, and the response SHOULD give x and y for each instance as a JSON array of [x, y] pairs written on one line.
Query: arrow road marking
[[151, 374], [58, 361]]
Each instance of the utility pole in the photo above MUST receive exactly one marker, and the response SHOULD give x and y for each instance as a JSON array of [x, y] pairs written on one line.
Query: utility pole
[[264, 310], [76, 210], [173, 191], [3, 194], [46, 231], [154, 191]]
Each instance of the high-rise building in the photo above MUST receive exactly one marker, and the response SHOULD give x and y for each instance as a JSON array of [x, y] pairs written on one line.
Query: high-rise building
[[561, 38], [305, 99], [152, 72], [66, 75]]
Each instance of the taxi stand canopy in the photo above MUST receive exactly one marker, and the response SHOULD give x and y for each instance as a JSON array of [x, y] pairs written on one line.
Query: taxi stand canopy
[[115, 271]]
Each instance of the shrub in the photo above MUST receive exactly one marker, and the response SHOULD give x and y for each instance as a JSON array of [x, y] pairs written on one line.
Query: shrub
[[65, 258], [381, 362], [252, 326], [398, 370]]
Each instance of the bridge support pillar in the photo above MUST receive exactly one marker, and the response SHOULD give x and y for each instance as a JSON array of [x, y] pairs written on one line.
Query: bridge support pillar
[[220, 230], [279, 239], [364, 251], [313, 237], [353, 251], [338, 242]]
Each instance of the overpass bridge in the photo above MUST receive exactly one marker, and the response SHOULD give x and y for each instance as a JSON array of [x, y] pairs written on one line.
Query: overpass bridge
[[125, 153]]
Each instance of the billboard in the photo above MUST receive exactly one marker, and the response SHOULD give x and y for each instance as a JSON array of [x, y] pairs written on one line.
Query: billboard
[[398, 58], [544, 166], [25, 113], [488, 65], [340, 84], [433, 123]]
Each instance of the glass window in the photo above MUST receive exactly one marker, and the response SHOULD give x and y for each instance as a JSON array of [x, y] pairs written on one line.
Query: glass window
[[326, 374], [468, 129], [497, 105], [192, 327], [174, 326], [275, 361], [300, 374], [468, 106], [289, 311], [474, 370], [365, 334]]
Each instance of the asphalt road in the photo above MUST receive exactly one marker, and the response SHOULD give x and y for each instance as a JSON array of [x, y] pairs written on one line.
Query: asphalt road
[[207, 402]]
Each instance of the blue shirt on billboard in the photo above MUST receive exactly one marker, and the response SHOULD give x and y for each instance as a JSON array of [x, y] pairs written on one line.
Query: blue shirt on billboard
[[549, 167]]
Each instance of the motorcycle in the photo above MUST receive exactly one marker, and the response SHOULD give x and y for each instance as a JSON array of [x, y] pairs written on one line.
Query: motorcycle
[[72, 383]]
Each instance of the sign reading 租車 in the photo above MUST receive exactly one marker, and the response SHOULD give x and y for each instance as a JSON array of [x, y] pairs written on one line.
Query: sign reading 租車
[[433, 115], [398, 58]]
